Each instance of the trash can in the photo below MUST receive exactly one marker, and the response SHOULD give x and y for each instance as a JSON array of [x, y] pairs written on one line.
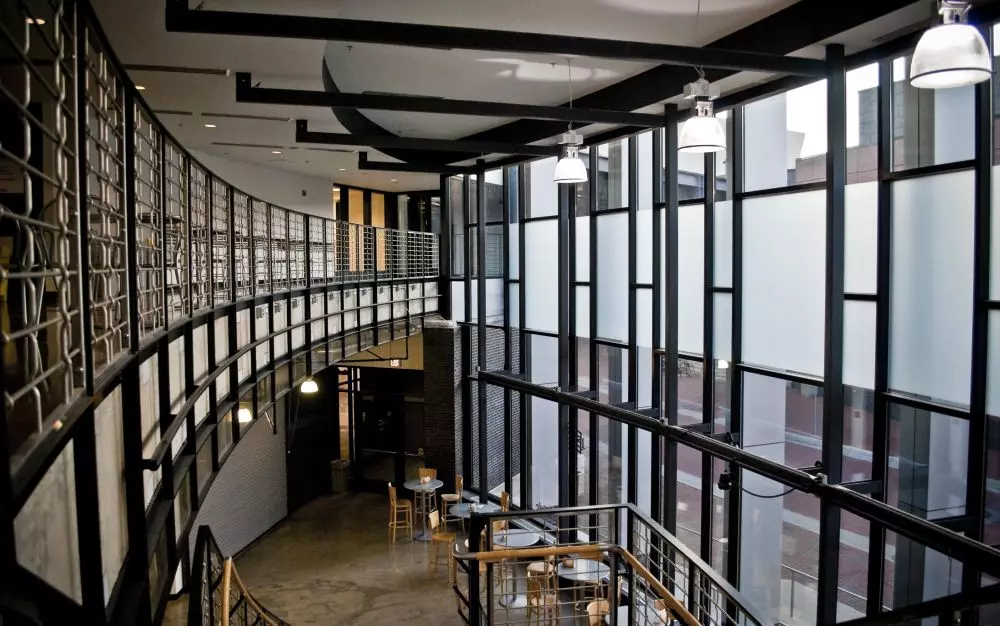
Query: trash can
[[339, 469]]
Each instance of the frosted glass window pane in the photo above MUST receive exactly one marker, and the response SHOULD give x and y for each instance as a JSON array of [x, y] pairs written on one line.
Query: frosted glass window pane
[[544, 453], [784, 245], [583, 312], [515, 305], [494, 301], [583, 248], [995, 238], [45, 533], [612, 276], [644, 318], [859, 344], [690, 277], [514, 254], [644, 247], [993, 366], [724, 326], [541, 275], [931, 310], [543, 198], [458, 300], [111, 487], [724, 244], [861, 238], [473, 301], [645, 171], [663, 281], [612, 183]]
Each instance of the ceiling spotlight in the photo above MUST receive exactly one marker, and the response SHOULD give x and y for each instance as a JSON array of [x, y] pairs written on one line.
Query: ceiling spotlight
[[343, 169], [35, 21], [570, 168], [309, 386], [393, 180], [209, 125], [244, 416], [140, 87], [703, 132], [275, 151], [952, 53]]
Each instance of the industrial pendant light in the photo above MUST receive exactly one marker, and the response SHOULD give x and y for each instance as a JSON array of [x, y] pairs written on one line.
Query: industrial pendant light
[[952, 53], [309, 386], [703, 132], [570, 168]]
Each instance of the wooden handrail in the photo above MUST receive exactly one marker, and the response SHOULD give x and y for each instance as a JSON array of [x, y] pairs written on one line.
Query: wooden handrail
[[590, 550], [673, 603], [229, 577]]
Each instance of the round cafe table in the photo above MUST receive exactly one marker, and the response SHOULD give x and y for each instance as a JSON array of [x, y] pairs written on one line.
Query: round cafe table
[[515, 538], [423, 495], [465, 509], [582, 572]]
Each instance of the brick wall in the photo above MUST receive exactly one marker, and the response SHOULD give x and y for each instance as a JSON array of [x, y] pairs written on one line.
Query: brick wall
[[442, 420], [494, 411], [249, 495]]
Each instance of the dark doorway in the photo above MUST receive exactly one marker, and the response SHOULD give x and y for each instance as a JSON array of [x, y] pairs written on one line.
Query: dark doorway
[[312, 433]]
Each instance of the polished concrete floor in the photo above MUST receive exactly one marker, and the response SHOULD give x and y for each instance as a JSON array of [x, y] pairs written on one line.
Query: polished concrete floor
[[330, 562]]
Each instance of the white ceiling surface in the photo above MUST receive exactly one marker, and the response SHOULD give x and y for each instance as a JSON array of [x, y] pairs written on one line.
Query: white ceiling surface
[[137, 33]]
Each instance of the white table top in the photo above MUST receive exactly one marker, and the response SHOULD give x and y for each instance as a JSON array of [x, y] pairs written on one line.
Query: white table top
[[647, 613], [583, 569], [416, 485], [515, 538], [465, 509]]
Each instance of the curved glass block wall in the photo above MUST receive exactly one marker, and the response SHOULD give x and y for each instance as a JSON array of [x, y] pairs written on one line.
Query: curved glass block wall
[[152, 315]]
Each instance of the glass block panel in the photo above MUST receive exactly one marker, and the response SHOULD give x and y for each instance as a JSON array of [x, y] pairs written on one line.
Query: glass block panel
[[784, 272], [932, 267]]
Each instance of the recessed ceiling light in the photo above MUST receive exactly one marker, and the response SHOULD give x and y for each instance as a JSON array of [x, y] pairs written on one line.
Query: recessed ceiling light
[[343, 169], [209, 125], [35, 21], [141, 87], [275, 151], [393, 180]]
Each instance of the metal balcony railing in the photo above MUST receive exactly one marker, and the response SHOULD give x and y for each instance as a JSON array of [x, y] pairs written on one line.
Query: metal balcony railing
[[612, 564]]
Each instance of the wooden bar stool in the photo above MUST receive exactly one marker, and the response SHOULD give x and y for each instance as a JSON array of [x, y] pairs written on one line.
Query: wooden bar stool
[[543, 605], [450, 499], [400, 514], [438, 537]]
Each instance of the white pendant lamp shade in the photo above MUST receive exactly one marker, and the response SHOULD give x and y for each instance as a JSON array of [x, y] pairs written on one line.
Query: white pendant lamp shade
[[309, 386], [244, 416], [951, 54], [703, 132], [570, 168]]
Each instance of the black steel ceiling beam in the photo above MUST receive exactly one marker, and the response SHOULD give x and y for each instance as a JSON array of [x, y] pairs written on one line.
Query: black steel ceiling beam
[[246, 92], [181, 18], [379, 166], [304, 135]]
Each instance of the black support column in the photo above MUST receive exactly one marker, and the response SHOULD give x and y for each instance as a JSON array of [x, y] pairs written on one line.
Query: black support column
[[482, 421]]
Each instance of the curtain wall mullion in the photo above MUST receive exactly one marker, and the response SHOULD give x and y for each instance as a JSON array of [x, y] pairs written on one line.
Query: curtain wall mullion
[[671, 296], [481, 361], [508, 341], [833, 375], [658, 443], [523, 347], [708, 356], [595, 383]]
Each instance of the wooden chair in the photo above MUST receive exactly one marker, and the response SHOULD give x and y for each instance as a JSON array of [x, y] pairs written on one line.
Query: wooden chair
[[450, 499], [427, 472], [546, 568], [596, 611], [504, 501], [400, 514], [439, 537], [543, 605], [662, 612]]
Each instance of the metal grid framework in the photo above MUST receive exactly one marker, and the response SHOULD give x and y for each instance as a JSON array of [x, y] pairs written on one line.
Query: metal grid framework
[[147, 167], [279, 249], [160, 239], [103, 149], [40, 226], [222, 286], [261, 247], [201, 237], [366, 262], [317, 252], [241, 248], [176, 233], [296, 250]]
